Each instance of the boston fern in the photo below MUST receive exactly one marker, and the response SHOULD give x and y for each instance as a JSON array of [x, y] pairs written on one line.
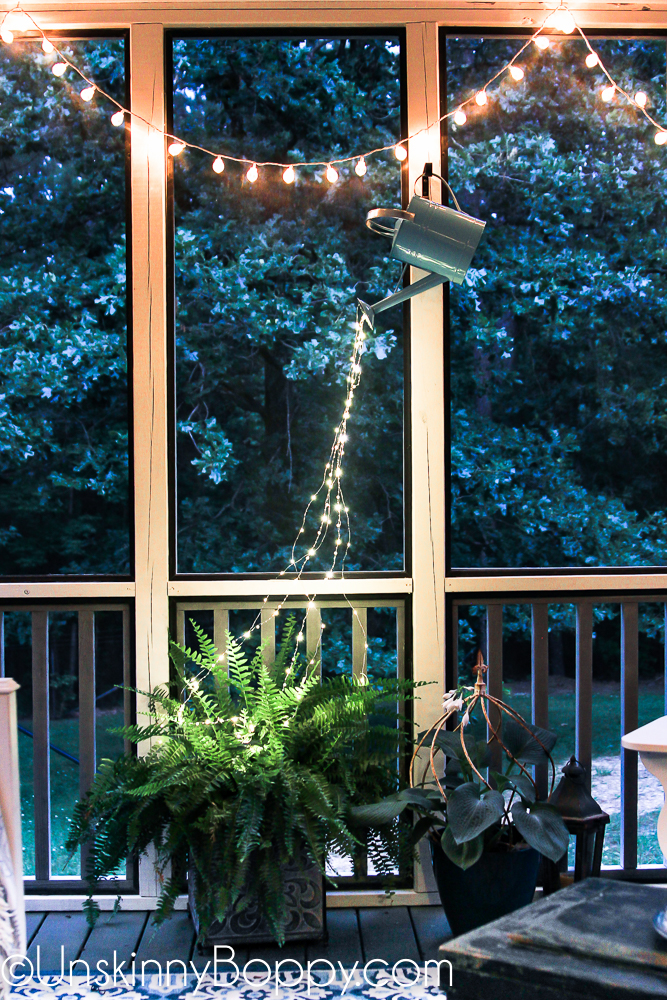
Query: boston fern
[[250, 766]]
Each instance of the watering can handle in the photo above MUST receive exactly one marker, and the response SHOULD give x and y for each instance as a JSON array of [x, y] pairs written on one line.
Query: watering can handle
[[394, 214]]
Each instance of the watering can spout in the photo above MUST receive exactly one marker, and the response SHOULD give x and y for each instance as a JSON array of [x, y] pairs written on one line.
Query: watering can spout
[[423, 285]]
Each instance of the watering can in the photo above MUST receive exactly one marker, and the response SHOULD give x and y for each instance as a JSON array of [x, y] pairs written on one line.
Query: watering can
[[430, 236]]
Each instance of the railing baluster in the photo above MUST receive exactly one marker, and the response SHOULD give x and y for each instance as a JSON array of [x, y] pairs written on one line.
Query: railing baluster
[[400, 641], [220, 630], [452, 669], [40, 747], [359, 640], [268, 633], [629, 721], [87, 752], [314, 636], [584, 687], [539, 687], [494, 645]]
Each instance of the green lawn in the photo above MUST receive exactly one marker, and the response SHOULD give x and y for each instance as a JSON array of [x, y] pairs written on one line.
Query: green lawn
[[606, 743], [64, 785]]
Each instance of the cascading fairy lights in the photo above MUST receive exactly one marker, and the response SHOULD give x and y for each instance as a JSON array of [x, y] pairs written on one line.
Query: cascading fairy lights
[[560, 19]]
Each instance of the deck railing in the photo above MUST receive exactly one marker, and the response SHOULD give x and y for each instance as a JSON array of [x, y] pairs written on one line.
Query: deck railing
[[536, 612], [35, 664]]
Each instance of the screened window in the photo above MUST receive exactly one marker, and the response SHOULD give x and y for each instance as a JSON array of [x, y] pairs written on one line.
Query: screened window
[[266, 278], [64, 487], [558, 338]]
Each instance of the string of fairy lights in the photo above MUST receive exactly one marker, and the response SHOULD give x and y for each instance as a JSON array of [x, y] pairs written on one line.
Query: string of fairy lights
[[334, 517]]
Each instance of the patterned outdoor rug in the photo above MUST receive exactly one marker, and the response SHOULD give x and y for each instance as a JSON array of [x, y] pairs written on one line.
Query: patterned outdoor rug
[[412, 983]]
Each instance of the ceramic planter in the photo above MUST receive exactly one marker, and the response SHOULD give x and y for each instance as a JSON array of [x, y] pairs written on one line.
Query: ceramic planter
[[306, 899], [499, 883]]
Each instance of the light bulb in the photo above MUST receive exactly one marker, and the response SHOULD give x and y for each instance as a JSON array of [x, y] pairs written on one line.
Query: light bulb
[[481, 98], [607, 94], [517, 73], [460, 117], [7, 36], [47, 46], [660, 138], [58, 68], [641, 99], [87, 93], [289, 175], [175, 148], [218, 165], [332, 174], [252, 174], [329, 575], [118, 118], [564, 21], [592, 59], [360, 168], [542, 42], [400, 152]]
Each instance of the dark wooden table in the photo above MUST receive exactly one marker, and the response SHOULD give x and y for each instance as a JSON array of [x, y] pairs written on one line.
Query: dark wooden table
[[592, 941]]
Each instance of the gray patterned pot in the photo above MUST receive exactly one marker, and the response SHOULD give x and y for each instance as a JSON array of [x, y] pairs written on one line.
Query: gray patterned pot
[[306, 900]]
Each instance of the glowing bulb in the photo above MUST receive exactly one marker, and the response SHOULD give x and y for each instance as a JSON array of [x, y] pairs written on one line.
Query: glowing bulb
[[329, 575], [299, 637], [607, 94], [592, 60], [7, 36], [47, 46], [329, 483], [314, 496], [542, 42], [175, 148], [252, 174], [338, 541], [218, 165], [400, 152], [338, 473], [516, 73], [481, 98], [311, 552], [118, 118], [332, 174], [460, 117], [660, 138], [246, 635], [641, 99], [87, 93], [289, 175], [563, 21], [58, 68], [311, 605], [360, 168]]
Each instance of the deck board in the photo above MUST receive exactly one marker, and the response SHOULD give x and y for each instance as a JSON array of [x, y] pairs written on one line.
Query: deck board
[[354, 935], [431, 928], [32, 924], [68, 929], [172, 940], [120, 932], [387, 933], [344, 944]]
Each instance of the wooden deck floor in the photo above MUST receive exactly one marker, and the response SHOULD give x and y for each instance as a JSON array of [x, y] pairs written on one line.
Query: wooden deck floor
[[355, 935]]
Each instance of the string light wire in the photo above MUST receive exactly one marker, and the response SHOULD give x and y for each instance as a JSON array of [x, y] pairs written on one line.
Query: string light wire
[[553, 18]]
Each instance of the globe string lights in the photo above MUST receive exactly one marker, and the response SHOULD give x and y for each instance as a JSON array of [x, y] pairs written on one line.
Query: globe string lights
[[561, 19]]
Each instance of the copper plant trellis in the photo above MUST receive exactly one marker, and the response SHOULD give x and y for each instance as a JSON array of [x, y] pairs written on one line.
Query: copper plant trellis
[[479, 696]]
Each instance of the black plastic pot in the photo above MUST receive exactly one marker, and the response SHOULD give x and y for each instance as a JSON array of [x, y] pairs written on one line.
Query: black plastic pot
[[499, 883]]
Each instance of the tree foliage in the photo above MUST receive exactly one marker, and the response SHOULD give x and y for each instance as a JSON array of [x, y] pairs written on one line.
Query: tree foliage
[[559, 340]]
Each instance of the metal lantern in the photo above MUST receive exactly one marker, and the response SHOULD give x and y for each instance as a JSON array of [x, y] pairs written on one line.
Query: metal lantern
[[584, 818]]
